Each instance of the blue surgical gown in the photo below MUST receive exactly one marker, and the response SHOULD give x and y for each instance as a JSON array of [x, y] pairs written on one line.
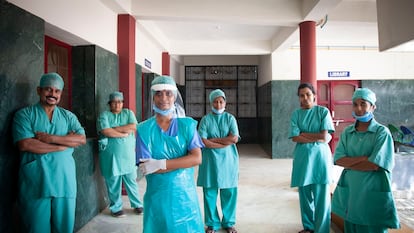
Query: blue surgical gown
[[170, 201], [365, 197], [312, 162]]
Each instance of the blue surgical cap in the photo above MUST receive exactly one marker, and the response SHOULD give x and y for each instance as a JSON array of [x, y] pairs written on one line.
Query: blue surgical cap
[[163, 83], [51, 80], [216, 93], [365, 94], [116, 95]]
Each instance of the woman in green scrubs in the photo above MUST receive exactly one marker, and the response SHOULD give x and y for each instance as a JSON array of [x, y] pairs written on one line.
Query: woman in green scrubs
[[219, 171], [116, 129], [363, 196], [310, 128]]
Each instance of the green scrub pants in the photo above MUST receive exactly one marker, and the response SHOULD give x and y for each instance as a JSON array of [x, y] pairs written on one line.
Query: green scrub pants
[[228, 201], [48, 215], [315, 207], [355, 228], [114, 186]]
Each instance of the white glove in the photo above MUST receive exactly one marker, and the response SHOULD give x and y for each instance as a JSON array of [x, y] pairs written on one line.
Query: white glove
[[149, 166], [328, 137]]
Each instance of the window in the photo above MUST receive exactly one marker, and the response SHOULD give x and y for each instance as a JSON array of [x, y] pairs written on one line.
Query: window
[[238, 82]]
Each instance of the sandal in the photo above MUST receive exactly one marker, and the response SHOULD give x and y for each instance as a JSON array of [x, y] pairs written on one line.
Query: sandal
[[231, 230], [306, 231], [210, 230]]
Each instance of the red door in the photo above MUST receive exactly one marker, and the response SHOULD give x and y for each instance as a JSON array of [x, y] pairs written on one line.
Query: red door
[[58, 58], [337, 97]]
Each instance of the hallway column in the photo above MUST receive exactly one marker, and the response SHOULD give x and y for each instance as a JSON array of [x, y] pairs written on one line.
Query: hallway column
[[308, 52], [126, 54], [165, 63]]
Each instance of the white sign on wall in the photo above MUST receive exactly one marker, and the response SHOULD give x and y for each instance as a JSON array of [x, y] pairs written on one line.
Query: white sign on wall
[[339, 74]]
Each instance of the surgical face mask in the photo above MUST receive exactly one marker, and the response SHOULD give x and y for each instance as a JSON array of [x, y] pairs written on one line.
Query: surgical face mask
[[218, 112], [163, 112], [364, 118]]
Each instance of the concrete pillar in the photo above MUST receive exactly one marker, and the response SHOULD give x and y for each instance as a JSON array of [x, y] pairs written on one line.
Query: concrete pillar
[[165, 63], [126, 55], [308, 52]]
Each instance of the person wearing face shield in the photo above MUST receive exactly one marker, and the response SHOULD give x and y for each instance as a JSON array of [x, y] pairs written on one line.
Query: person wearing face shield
[[46, 136], [219, 170], [168, 148], [363, 196], [310, 128]]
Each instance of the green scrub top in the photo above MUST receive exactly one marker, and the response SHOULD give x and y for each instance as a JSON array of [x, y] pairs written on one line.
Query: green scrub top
[[312, 162], [365, 197], [52, 174], [170, 200], [116, 155], [220, 166]]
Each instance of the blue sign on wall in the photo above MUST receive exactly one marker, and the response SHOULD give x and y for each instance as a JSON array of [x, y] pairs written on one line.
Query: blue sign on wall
[[339, 74], [147, 63]]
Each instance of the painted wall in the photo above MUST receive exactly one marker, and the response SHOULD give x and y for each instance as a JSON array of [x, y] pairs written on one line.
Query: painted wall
[[97, 27], [362, 64], [147, 48], [211, 60], [75, 18]]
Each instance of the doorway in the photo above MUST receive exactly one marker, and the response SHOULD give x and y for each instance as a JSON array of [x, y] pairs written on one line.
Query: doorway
[[337, 97], [58, 58]]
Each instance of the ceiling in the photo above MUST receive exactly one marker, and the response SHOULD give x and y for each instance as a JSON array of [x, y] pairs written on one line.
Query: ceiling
[[254, 27], [250, 27]]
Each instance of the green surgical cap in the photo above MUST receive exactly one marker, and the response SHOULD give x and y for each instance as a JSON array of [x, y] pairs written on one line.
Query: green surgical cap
[[51, 80], [216, 93], [365, 94], [116, 95], [163, 83]]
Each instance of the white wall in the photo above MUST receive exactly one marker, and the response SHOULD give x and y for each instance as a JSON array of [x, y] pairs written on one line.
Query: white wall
[[211, 60], [362, 64], [95, 27], [264, 70], [74, 23], [147, 48]]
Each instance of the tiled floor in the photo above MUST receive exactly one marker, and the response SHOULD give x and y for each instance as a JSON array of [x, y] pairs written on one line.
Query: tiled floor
[[266, 202]]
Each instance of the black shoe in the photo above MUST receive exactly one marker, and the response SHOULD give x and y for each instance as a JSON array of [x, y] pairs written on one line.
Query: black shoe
[[119, 214], [138, 210]]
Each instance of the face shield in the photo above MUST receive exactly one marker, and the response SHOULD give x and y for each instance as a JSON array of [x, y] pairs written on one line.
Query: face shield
[[167, 83]]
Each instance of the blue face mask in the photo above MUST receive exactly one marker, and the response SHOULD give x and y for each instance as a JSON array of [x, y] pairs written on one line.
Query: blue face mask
[[218, 112], [163, 112], [365, 118]]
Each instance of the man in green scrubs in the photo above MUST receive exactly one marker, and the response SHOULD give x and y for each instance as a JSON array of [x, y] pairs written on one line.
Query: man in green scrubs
[[219, 170], [363, 196], [117, 154], [46, 135], [310, 128]]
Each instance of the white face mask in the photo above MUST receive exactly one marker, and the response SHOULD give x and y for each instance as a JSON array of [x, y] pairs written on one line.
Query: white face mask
[[163, 112], [218, 112]]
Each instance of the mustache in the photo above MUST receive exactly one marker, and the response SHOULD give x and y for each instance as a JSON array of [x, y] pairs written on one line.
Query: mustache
[[51, 96]]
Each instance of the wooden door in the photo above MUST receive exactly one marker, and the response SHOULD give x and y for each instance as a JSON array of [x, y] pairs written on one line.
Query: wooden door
[[337, 97], [58, 58]]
